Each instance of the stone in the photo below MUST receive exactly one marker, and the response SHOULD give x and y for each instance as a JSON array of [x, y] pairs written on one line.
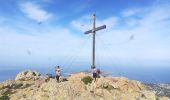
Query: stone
[[163, 98], [77, 76], [105, 85], [1, 86], [73, 88], [63, 79], [148, 95], [4, 91], [28, 75], [11, 84]]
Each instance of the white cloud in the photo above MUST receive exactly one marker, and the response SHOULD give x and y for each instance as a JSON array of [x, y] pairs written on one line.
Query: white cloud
[[150, 46], [130, 12], [151, 40], [3, 20], [54, 43], [82, 24], [151, 43], [35, 12], [109, 22], [85, 23]]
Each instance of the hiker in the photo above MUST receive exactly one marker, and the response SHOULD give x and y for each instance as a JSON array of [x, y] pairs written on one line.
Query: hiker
[[94, 70], [58, 73], [98, 73]]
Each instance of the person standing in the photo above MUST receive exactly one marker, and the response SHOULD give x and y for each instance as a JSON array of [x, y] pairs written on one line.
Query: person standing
[[58, 73], [94, 70]]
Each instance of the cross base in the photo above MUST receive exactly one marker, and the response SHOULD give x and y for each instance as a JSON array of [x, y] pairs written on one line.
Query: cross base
[[93, 67]]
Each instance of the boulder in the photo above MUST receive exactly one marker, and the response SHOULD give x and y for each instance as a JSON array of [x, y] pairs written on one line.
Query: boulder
[[28, 75], [64, 90], [63, 79], [1, 86], [4, 91], [11, 84], [163, 98], [103, 93], [148, 95], [77, 76], [120, 83]]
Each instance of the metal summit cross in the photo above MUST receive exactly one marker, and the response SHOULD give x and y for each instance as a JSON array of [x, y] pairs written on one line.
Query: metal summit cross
[[93, 31]]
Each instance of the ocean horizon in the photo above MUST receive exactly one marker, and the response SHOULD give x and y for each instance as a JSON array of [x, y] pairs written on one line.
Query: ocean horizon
[[156, 75]]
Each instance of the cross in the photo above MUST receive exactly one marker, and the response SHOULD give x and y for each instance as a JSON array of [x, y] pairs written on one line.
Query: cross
[[93, 31]]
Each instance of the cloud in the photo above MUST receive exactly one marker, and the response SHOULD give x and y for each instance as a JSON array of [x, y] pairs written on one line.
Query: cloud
[[85, 23], [110, 22], [150, 28], [151, 33], [35, 12], [130, 12], [54, 42], [150, 46], [82, 24]]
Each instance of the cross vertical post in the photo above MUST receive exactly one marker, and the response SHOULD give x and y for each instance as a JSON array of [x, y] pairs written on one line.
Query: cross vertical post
[[94, 40], [93, 31]]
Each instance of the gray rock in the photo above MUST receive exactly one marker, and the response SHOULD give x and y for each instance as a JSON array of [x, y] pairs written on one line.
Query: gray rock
[[4, 91], [28, 75]]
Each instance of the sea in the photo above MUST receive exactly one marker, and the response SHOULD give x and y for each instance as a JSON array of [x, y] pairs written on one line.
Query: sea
[[145, 75]]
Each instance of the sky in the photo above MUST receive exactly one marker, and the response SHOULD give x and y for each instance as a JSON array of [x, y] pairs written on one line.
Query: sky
[[42, 33]]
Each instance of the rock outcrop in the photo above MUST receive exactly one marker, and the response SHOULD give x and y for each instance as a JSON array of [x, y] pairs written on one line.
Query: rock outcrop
[[105, 88], [28, 75]]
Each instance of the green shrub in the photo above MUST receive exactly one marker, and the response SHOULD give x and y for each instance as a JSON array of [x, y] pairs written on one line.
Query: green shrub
[[4, 97], [25, 73], [87, 79]]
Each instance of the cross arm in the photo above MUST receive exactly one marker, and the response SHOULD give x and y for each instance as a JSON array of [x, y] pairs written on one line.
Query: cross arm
[[96, 29], [87, 32]]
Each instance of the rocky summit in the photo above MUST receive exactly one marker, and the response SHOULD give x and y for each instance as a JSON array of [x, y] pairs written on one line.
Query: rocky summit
[[30, 85]]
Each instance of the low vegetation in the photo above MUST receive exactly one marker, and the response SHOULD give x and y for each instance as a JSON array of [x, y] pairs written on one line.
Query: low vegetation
[[4, 97], [87, 79]]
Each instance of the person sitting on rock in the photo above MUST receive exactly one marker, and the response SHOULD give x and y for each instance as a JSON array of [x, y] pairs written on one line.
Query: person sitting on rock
[[94, 70], [58, 73]]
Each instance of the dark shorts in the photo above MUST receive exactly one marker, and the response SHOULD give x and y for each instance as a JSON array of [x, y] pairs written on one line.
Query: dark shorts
[[57, 77], [94, 75]]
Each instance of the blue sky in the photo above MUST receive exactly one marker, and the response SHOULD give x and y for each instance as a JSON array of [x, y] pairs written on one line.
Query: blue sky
[[137, 34]]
